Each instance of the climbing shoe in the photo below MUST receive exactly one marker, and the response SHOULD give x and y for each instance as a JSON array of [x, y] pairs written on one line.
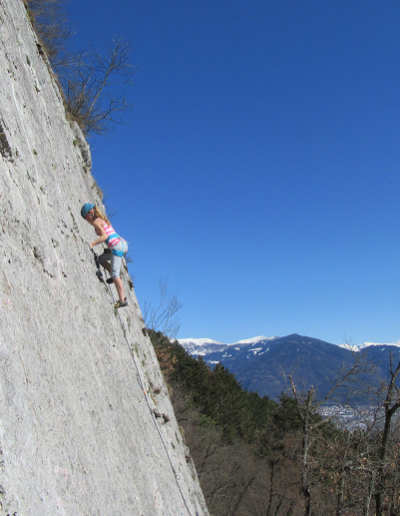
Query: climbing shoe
[[120, 304], [110, 280]]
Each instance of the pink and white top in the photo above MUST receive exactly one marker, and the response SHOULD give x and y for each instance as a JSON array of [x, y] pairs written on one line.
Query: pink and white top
[[112, 237]]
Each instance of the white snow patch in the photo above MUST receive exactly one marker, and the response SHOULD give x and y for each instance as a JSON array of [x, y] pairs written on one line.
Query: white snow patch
[[358, 347], [198, 342], [254, 340], [365, 344]]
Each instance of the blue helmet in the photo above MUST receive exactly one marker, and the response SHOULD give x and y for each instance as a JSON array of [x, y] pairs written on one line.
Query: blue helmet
[[86, 208]]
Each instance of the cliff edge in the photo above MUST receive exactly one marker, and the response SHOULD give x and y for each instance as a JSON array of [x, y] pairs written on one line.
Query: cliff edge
[[78, 381]]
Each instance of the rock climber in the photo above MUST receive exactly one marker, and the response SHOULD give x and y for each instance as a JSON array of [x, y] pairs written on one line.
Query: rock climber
[[111, 259]]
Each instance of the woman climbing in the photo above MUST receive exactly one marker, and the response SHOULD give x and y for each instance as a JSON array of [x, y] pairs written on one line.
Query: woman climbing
[[117, 247]]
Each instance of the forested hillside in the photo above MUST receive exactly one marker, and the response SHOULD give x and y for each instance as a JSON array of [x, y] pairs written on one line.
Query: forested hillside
[[257, 457]]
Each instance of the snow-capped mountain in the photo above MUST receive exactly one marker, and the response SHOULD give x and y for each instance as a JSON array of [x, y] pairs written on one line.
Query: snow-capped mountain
[[213, 351], [263, 364], [359, 347], [367, 344], [202, 347]]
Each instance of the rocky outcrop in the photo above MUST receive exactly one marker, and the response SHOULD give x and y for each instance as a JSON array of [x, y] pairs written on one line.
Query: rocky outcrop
[[79, 386]]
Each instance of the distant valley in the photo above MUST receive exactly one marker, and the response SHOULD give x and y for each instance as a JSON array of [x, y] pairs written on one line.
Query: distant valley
[[262, 364]]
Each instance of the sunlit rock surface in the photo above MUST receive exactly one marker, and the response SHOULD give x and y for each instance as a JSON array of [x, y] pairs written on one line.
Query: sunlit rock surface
[[77, 434]]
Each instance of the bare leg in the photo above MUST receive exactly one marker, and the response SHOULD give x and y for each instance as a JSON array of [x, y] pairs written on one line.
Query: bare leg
[[120, 288]]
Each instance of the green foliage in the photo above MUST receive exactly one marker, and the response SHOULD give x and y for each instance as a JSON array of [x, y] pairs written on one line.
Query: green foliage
[[287, 417], [219, 397]]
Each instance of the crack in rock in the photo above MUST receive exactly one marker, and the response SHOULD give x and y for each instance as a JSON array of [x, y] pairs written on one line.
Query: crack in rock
[[5, 148]]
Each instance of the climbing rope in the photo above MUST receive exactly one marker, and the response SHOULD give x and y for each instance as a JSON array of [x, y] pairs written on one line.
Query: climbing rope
[[141, 383]]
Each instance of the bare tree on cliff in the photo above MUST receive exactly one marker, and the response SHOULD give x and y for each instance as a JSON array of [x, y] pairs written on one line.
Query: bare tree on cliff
[[95, 86], [50, 21], [164, 317]]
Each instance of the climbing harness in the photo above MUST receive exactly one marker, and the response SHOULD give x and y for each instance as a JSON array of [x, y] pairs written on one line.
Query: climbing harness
[[141, 384], [114, 251]]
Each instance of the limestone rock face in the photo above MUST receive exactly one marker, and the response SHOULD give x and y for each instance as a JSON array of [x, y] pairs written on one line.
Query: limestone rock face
[[78, 385]]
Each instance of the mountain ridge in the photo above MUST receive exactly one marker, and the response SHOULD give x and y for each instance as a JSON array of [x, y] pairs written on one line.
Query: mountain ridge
[[263, 365], [199, 341]]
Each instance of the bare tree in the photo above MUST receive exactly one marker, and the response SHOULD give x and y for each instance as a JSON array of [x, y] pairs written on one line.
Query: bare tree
[[93, 83], [390, 394], [353, 473], [308, 406], [163, 318], [50, 21]]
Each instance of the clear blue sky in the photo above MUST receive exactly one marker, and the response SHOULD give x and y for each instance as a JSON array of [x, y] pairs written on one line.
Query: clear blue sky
[[260, 167]]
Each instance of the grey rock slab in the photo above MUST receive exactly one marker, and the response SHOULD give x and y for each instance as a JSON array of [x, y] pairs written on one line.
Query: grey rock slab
[[78, 382]]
